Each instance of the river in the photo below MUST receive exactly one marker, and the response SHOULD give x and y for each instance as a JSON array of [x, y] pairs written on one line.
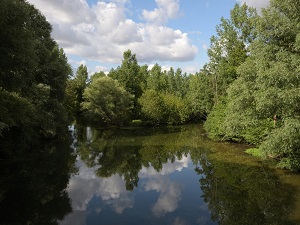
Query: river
[[128, 176]]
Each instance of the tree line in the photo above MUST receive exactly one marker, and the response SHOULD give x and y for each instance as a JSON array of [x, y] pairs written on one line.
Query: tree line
[[131, 93], [247, 92]]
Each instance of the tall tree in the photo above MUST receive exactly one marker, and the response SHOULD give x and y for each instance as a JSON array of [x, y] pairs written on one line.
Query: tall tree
[[106, 102], [229, 47], [269, 84], [130, 77], [75, 89], [33, 72], [199, 95], [157, 79]]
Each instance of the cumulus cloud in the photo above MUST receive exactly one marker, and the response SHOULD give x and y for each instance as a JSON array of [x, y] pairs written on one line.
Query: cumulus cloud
[[166, 9], [102, 32], [255, 3]]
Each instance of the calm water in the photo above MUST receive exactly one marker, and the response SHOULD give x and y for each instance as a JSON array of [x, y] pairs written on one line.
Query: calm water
[[170, 176]]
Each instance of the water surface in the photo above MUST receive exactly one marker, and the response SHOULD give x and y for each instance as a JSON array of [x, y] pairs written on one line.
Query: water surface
[[168, 176], [173, 176]]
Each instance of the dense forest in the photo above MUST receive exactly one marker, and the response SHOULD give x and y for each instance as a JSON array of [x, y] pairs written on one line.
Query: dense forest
[[247, 92]]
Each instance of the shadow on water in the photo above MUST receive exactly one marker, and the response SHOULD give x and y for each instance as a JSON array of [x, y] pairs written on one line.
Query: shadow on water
[[33, 180], [237, 188]]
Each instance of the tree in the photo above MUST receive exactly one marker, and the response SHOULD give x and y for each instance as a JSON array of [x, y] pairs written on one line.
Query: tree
[[75, 88], [199, 96], [33, 73], [106, 102], [97, 75], [130, 77], [153, 106], [263, 105], [163, 108], [229, 49], [157, 79]]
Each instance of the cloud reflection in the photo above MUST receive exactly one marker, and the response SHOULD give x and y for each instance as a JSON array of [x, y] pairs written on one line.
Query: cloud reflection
[[85, 186], [169, 197], [170, 192], [167, 168]]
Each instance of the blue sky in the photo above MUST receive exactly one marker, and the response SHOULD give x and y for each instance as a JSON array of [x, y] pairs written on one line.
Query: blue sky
[[172, 33]]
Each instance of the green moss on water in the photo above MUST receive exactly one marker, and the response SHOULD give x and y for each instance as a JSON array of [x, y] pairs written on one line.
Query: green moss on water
[[256, 152]]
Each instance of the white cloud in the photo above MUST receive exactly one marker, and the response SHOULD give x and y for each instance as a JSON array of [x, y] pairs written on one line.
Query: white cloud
[[255, 3], [166, 9], [102, 32]]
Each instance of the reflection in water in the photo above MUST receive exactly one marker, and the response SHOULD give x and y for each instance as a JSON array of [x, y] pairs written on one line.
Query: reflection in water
[[34, 181], [240, 194], [152, 177]]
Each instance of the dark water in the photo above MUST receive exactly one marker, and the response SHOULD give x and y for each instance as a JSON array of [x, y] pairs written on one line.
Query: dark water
[[168, 176]]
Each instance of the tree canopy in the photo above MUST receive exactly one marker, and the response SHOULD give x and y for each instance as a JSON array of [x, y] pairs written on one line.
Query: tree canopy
[[33, 73]]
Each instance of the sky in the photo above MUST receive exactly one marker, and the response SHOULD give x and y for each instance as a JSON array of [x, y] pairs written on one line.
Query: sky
[[172, 33]]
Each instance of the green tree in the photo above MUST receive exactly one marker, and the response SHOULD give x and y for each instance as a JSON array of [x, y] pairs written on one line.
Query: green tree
[[157, 79], [75, 89], [97, 75], [130, 77], [229, 49], [199, 96], [153, 106], [106, 102], [269, 84], [163, 108], [33, 73], [176, 109]]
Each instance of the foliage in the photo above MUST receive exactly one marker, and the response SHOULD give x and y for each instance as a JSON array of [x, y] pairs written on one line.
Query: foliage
[[163, 108], [153, 106], [176, 109], [199, 96], [229, 48], [284, 144], [106, 102], [75, 89], [131, 78], [215, 121], [263, 102], [33, 73]]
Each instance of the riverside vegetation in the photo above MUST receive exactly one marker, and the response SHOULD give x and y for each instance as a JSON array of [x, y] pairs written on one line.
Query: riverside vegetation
[[247, 92]]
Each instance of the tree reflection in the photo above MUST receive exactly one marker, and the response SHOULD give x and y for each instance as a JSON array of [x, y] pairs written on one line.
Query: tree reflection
[[125, 152], [240, 194], [236, 192], [34, 181]]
